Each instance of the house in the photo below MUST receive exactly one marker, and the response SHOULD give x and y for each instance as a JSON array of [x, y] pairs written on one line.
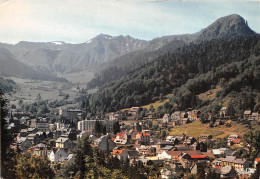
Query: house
[[134, 110], [171, 139], [132, 154], [120, 141], [176, 115], [236, 163], [199, 146], [205, 138], [166, 118], [160, 145], [63, 142], [227, 172], [254, 116], [34, 138], [233, 139], [223, 112], [226, 151], [193, 115], [121, 136], [41, 149], [113, 116], [144, 137], [146, 150], [182, 147], [168, 148], [122, 155], [57, 155], [189, 140], [247, 114], [164, 156], [196, 167], [194, 154], [26, 144], [71, 158], [104, 143], [168, 173], [144, 160]]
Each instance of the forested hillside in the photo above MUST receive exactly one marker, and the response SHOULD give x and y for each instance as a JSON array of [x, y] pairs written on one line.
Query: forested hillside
[[6, 85], [173, 69]]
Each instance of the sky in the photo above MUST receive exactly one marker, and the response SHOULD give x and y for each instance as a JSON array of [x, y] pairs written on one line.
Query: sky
[[76, 21]]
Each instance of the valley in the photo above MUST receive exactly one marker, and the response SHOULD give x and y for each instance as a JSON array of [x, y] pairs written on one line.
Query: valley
[[120, 107]]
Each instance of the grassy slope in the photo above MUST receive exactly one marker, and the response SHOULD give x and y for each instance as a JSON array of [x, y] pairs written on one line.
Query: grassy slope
[[209, 95], [195, 129]]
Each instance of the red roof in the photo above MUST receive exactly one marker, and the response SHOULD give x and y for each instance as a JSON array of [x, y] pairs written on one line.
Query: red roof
[[113, 139], [257, 160], [143, 134], [117, 152], [119, 134], [236, 141], [198, 156]]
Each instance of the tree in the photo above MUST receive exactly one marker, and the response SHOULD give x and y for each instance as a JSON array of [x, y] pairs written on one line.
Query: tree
[[8, 156], [116, 127], [163, 134], [253, 138], [30, 166], [104, 130], [98, 127], [256, 174]]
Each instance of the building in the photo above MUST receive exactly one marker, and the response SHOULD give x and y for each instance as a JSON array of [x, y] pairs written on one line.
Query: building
[[168, 173], [223, 112], [205, 138], [73, 115], [104, 143], [34, 138], [255, 116], [227, 172], [247, 114], [63, 142], [43, 126], [233, 139], [176, 115], [57, 155], [120, 154], [143, 137], [114, 116], [134, 110], [166, 118], [89, 125], [26, 144], [41, 149], [232, 161]]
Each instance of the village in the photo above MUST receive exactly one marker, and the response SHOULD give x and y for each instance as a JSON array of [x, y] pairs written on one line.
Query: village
[[131, 138]]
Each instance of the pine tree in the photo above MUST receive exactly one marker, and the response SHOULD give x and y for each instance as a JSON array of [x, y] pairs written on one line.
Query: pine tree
[[8, 156]]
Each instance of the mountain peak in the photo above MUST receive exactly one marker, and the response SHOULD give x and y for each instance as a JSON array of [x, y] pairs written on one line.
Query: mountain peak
[[226, 26]]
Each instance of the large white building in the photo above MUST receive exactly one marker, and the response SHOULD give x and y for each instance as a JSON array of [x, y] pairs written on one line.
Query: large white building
[[89, 125]]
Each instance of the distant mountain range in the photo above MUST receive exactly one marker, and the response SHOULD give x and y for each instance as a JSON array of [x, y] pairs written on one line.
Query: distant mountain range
[[224, 57], [44, 60]]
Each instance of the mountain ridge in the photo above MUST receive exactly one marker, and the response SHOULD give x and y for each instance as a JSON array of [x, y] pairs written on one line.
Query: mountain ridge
[[124, 52]]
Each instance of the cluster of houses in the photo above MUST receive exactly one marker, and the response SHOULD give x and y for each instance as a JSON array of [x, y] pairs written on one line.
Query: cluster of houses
[[43, 137]]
